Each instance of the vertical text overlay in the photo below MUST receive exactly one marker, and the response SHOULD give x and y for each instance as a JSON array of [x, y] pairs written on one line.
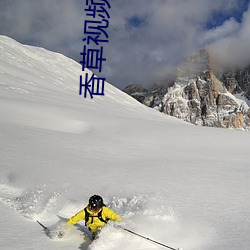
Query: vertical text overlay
[[92, 55]]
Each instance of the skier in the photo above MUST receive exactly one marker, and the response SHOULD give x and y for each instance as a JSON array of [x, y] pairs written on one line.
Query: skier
[[95, 214]]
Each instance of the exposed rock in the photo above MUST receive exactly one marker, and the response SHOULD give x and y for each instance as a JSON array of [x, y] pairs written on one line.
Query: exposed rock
[[237, 81], [137, 91], [201, 97], [133, 88]]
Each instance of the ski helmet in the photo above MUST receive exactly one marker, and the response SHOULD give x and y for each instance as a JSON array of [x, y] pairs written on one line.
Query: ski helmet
[[95, 202]]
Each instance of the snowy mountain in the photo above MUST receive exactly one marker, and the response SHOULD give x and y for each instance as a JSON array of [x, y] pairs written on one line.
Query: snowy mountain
[[182, 185], [201, 96], [237, 81]]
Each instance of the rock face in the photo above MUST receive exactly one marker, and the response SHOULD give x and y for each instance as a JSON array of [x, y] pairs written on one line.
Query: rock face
[[201, 97], [137, 91], [237, 81]]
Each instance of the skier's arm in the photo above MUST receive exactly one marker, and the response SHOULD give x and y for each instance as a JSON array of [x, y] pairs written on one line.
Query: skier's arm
[[77, 217], [110, 214]]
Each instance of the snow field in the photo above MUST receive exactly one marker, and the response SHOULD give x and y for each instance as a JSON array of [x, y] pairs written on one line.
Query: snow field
[[181, 185]]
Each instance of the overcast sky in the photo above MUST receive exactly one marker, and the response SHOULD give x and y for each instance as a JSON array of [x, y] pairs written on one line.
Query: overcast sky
[[147, 38]]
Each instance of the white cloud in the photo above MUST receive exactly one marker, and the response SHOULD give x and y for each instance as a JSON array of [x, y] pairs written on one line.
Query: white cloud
[[170, 31], [228, 28], [233, 50]]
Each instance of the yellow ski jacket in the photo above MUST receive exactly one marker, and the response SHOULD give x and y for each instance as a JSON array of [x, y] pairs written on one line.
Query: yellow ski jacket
[[94, 223]]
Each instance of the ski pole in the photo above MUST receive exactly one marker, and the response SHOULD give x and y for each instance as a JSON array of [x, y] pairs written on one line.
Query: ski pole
[[45, 228], [146, 238]]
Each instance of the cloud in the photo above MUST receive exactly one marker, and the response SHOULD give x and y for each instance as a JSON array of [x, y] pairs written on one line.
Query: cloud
[[233, 49], [146, 38], [228, 28], [52, 24], [171, 31]]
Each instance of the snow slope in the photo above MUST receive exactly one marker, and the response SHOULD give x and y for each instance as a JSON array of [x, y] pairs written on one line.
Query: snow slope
[[176, 183]]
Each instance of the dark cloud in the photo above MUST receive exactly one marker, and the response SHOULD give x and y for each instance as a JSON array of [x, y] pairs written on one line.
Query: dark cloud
[[146, 38]]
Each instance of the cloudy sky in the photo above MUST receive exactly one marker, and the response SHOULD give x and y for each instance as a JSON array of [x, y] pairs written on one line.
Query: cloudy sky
[[146, 38]]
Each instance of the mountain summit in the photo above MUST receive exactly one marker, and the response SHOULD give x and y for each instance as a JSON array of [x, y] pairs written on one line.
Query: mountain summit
[[201, 96]]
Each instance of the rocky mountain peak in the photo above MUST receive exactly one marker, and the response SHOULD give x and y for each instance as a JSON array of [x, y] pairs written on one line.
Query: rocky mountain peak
[[196, 64], [202, 97]]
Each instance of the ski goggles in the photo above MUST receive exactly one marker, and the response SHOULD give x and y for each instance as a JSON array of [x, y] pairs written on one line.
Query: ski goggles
[[94, 208]]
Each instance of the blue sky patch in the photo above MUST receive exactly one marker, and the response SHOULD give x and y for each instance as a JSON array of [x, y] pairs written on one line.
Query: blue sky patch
[[136, 21], [219, 17]]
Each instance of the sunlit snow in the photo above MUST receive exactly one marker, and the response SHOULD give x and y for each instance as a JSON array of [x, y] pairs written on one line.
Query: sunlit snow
[[182, 185]]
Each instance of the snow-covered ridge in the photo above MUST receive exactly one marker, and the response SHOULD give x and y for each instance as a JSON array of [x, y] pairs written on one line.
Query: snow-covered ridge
[[35, 66], [41, 77]]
